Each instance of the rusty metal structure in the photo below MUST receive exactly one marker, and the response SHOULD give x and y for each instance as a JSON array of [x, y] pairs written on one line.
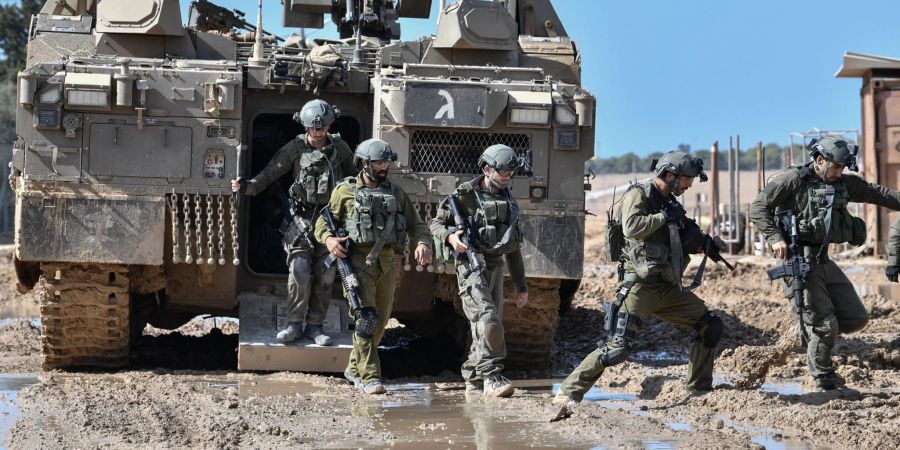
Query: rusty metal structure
[[880, 143], [131, 125]]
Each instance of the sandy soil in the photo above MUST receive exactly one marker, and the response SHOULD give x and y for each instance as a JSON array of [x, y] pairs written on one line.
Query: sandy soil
[[182, 389]]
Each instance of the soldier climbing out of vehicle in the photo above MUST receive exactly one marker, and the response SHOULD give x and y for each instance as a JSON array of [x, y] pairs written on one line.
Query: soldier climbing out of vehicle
[[379, 218], [817, 194], [479, 224], [655, 237], [317, 161]]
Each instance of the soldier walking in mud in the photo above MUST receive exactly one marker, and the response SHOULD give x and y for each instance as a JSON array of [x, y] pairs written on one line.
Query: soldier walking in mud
[[487, 205], [652, 281], [378, 216], [817, 194], [317, 160]]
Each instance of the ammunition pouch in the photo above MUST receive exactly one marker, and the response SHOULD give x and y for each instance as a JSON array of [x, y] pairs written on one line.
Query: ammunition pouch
[[366, 322], [644, 256], [615, 240]]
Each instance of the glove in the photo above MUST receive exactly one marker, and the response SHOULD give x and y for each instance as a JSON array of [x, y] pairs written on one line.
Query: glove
[[674, 212], [891, 273]]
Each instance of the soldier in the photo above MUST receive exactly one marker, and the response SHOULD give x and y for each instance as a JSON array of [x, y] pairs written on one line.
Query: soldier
[[378, 217], [487, 202], [818, 193], [317, 161], [651, 282], [893, 251]]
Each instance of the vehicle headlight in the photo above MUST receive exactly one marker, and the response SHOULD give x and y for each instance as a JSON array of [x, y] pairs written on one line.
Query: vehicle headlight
[[87, 97], [529, 116]]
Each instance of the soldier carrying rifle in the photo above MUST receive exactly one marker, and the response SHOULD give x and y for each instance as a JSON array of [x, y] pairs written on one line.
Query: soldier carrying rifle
[[817, 193], [656, 236]]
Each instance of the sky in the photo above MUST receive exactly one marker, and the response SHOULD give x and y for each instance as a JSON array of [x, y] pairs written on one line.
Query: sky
[[692, 72]]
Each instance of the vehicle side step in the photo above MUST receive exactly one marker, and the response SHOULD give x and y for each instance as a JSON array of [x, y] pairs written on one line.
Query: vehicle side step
[[261, 316]]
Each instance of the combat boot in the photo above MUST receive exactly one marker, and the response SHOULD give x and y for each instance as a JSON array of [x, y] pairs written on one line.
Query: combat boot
[[828, 381], [356, 380], [315, 333], [373, 387], [566, 406], [289, 333], [498, 386]]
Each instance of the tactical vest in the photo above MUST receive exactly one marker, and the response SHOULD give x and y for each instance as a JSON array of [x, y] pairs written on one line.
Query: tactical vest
[[812, 209], [496, 219], [376, 215], [651, 255], [317, 174]]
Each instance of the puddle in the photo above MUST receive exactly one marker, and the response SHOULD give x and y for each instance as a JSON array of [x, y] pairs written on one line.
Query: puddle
[[10, 385], [261, 387], [784, 387], [767, 437], [658, 445], [680, 426], [649, 356], [36, 322], [419, 417]]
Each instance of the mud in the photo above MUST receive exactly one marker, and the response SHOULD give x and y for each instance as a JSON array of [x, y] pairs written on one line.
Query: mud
[[182, 390]]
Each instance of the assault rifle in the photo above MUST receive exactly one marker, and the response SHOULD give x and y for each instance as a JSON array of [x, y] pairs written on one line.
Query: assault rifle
[[207, 16], [693, 240], [465, 223], [348, 278], [796, 265], [301, 224]]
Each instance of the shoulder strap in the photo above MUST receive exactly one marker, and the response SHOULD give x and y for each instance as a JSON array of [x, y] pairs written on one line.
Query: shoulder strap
[[829, 205]]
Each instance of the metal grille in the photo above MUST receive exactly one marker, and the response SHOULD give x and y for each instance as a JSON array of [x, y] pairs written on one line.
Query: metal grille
[[439, 151]]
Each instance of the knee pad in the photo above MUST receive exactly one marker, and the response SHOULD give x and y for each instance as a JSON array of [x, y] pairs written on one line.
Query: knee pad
[[366, 322], [710, 329], [612, 355]]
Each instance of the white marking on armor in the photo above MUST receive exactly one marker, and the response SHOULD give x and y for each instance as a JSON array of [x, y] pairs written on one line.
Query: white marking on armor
[[447, 108]]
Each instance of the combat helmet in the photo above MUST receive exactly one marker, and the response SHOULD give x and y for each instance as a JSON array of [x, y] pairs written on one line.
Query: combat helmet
[[836, 150], [317, 114], [500, 157], [374, 150], [679, 163]]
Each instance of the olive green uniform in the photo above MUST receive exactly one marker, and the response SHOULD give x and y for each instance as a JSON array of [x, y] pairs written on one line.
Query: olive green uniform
[[364, 210], [832, 304], [493, 214], [892, 248], [654, 292], [309, 286]]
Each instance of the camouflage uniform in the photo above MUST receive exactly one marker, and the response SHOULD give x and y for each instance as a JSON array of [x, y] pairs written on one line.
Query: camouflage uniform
[[377, 280], [892, 248], [307, 298], [832, 304], [653, 291], [482, 293]]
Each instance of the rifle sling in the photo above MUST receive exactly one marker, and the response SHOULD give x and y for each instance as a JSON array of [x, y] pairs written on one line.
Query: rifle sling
[[829, 203], [675, 254], [379, 243]]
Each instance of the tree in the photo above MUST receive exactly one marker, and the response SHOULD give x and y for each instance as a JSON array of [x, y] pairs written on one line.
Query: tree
[[15, 21]]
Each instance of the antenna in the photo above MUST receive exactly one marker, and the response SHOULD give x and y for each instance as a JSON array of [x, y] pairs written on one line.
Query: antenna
[[258, 45]]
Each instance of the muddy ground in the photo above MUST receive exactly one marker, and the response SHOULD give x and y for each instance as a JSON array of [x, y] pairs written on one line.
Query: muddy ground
[[182, 389]]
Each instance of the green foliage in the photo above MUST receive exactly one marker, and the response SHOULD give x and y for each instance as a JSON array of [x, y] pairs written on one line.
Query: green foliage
[[631, 163], [15, 21]]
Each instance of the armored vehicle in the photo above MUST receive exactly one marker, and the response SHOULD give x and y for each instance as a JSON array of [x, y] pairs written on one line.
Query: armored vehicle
[[131, 125]]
